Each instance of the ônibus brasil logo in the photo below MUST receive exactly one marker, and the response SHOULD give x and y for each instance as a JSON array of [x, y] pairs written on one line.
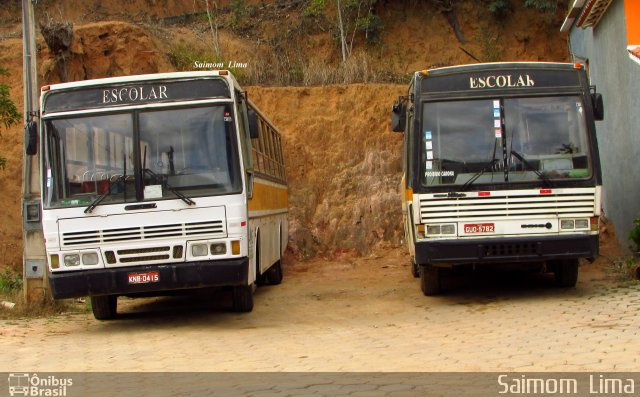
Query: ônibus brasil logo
[[21, 384]]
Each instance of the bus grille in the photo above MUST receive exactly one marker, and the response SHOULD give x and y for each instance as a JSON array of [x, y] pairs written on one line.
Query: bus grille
[[144, 233], [506, 205]]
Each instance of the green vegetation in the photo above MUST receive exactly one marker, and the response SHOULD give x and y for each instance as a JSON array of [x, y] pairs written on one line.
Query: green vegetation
[[8, 113], [549, 6], [634, 235], [239, 12], [500, 8], [625, 270], [314, 8], [10, 281]]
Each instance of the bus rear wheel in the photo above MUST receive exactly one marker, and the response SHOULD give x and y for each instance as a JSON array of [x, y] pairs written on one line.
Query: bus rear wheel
[[566, 273], [429, 280], [274, 275], [104, 307], [242, 298]]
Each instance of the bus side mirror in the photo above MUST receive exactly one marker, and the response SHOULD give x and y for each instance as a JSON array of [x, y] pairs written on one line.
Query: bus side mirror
[[398, 117], [598, 106], [31, 138], [254, 131]]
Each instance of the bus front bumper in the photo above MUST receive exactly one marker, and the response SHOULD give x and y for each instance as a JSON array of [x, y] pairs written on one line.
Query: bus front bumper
[[115, 281], [507, 249]]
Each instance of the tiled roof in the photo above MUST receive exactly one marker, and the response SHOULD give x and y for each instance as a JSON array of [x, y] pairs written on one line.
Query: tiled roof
[[592, 12]]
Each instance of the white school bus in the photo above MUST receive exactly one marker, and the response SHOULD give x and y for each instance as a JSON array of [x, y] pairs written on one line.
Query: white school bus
[[501, 168], [160, 182]]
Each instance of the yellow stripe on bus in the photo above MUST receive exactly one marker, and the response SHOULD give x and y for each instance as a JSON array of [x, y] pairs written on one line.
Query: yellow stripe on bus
[[268, 197]]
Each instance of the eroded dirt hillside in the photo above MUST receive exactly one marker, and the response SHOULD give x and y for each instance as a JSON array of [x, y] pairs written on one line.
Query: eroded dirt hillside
[[342, 159], [343, 162]]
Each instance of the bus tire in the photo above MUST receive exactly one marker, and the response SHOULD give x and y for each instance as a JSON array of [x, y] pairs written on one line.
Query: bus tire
[[566, 273], [415, 269], [429, 280], [104, 307], [261, 278], [242, 298], [274, 275]]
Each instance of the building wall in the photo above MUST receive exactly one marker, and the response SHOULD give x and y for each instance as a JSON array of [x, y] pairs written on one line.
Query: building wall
[[617, 77]]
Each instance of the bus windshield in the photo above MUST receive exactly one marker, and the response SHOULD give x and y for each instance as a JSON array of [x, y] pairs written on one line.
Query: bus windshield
[[189, 150], [541, 138]]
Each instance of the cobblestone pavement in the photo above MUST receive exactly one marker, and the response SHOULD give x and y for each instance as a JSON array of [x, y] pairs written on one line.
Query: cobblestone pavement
[[350, 315]]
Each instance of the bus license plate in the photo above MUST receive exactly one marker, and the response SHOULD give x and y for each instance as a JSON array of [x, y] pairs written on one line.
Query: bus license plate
[[144, 278], [470, 228]]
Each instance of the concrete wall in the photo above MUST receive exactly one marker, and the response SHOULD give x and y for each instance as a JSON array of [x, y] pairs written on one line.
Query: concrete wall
[[617, 77]]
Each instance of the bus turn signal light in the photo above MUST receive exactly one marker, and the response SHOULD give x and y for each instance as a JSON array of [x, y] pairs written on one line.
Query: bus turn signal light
[[235, 247]]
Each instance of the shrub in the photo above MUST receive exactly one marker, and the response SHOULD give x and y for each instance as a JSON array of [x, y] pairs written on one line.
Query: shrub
[[500, 8], [10, 281]]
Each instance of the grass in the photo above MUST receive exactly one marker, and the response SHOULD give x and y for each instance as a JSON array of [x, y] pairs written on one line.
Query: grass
[[625, 271], [11, 291]]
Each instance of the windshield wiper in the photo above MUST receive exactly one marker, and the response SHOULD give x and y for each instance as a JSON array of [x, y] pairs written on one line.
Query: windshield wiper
[[542, 176], [101, 197], [171, 188], [477, 175]]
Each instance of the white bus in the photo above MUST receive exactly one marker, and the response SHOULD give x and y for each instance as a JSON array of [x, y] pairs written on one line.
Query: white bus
[[501, 167], [160, 182]]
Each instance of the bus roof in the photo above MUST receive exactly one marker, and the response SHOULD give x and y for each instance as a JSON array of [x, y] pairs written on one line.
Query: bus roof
[[141, 77], [473, 67]]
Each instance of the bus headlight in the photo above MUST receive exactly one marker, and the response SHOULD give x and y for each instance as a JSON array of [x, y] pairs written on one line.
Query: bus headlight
[[72, 260], [90, 259], [566, 224], [199, 250], [218, 249], [448, 229], [582, 223]]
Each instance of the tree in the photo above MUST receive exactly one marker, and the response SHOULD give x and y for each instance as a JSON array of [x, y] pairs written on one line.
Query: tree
[[8, 113], [354, 16]]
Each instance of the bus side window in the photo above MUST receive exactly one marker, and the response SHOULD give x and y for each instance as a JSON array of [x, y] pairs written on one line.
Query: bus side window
[[243, 124]]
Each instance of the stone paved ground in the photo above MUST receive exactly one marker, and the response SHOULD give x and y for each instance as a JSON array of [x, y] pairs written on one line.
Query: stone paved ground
[[351, 315]]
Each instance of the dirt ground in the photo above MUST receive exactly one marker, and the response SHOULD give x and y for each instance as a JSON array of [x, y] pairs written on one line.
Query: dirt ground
[[345, 314]]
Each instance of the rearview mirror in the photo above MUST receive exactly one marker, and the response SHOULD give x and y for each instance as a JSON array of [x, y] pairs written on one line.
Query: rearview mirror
[[254, 130], [598, 106], [398, 117], [31, 138]]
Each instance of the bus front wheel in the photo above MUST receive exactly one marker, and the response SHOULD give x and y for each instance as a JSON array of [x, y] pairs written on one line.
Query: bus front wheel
[[566, 273], [429, 280], [104, 307], [242, 298], [415, 269]]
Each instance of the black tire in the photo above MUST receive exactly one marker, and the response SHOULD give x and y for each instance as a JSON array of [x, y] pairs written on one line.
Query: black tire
[[566, 273], [415, 269], [429, 280], [242, 298], [274, 275], [104, 307], [261, 279]]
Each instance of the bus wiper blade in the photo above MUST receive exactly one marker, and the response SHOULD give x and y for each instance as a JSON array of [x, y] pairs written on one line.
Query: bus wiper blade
[[171, 188], [527, 164], [478, 174], [101, 197]]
